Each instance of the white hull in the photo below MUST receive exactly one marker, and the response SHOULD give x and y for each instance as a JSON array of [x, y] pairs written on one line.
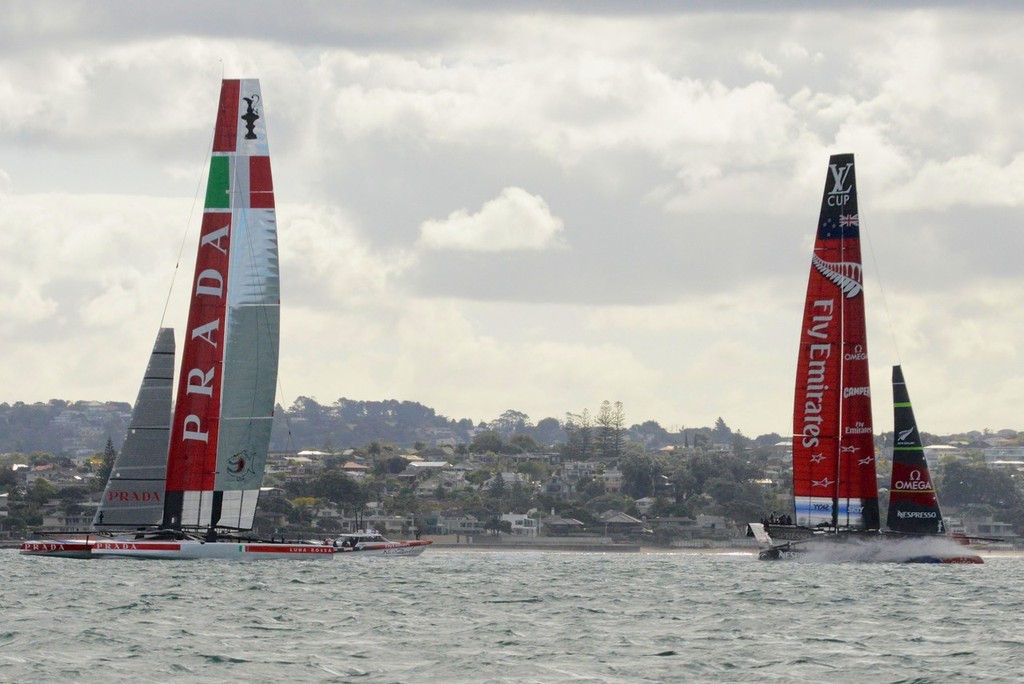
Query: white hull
[[373, 544], [191, 550], [398, 549], [183, 549]]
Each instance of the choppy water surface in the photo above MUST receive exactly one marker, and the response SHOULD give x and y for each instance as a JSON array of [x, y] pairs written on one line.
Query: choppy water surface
[[453, 616]]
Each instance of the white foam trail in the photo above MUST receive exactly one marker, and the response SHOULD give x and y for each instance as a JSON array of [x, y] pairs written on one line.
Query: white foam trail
[[882, 550]]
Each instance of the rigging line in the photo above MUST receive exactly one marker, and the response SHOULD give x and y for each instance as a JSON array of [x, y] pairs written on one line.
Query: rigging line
[[885, 301], [207, 154]]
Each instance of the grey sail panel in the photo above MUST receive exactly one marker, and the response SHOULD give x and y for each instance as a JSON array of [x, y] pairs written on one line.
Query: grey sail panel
[[134, 495]]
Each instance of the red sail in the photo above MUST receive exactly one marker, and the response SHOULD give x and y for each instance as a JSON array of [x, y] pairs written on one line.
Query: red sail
[[192, 457], [833, 446]]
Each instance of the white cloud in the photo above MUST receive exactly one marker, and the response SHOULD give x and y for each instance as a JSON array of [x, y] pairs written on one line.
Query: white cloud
[[514, 220], [758, 62], [681, 154]]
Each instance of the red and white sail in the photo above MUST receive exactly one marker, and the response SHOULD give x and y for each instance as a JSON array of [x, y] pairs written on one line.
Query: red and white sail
[[833, 446], [225, 400]]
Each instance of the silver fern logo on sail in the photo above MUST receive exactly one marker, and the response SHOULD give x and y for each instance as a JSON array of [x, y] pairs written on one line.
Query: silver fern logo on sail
[[846, 275], [904, 435]]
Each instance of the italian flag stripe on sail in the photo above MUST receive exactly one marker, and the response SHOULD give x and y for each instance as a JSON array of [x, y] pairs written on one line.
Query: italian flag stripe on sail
[[219, 184]]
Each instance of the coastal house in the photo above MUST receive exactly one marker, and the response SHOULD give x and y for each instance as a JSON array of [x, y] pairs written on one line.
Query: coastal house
[[617, 522], [558, 487], [557, 526], [522, 524], [990, 527], [611, 479], [645, 504], [459, 525], [357, 471]]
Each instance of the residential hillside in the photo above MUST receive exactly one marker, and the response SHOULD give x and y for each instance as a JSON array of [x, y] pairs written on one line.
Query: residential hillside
[[82, 428], [399, 466]]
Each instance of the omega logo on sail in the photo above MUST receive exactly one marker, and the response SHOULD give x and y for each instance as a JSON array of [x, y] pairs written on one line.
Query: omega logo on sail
[[914, 483]]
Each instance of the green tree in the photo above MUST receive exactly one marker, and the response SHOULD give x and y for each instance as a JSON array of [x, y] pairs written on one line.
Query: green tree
[[605, 432], [510, 422], [497, 488], [525, 443], [486, 441], [971, 485], [40, 492], [391, 465], [520, 497], [618, 429], [8, 478], [640, 473], [579, 435], [338, 488], [538, 471], [106, 466]]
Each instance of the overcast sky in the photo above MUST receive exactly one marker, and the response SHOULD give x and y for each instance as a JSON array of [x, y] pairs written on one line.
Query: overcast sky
[[525, 205]]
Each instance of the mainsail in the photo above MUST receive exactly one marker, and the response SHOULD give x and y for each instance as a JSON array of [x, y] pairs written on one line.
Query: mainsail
[[225, 401], [913, 505], [134, 495], [833, 447]]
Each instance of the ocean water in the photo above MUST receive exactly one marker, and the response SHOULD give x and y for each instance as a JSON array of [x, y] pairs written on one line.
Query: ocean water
[[523, 616]]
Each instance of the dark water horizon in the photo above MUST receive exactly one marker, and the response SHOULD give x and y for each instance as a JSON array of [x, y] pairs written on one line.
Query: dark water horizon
[[453, 616]]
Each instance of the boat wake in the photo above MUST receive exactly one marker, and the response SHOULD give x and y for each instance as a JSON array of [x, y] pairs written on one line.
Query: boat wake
[[884, 550]]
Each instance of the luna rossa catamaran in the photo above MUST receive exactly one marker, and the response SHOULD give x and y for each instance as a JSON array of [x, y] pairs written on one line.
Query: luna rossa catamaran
[[187, 483]]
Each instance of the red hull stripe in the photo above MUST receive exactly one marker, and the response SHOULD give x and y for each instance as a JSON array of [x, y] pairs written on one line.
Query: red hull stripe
[[285, 548], [138, 546]]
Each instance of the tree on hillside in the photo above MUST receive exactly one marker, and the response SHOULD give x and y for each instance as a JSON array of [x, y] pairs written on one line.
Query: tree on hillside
[[338, 488], [484, 442], [8, 478], [640, 475], [604, 437], [496, 488], [548, 431], [107, 465], [963, 484], [391, 465], [524, 443], [579, 432], [722, 432], [538, 471], [618, 429], [510, 422]]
